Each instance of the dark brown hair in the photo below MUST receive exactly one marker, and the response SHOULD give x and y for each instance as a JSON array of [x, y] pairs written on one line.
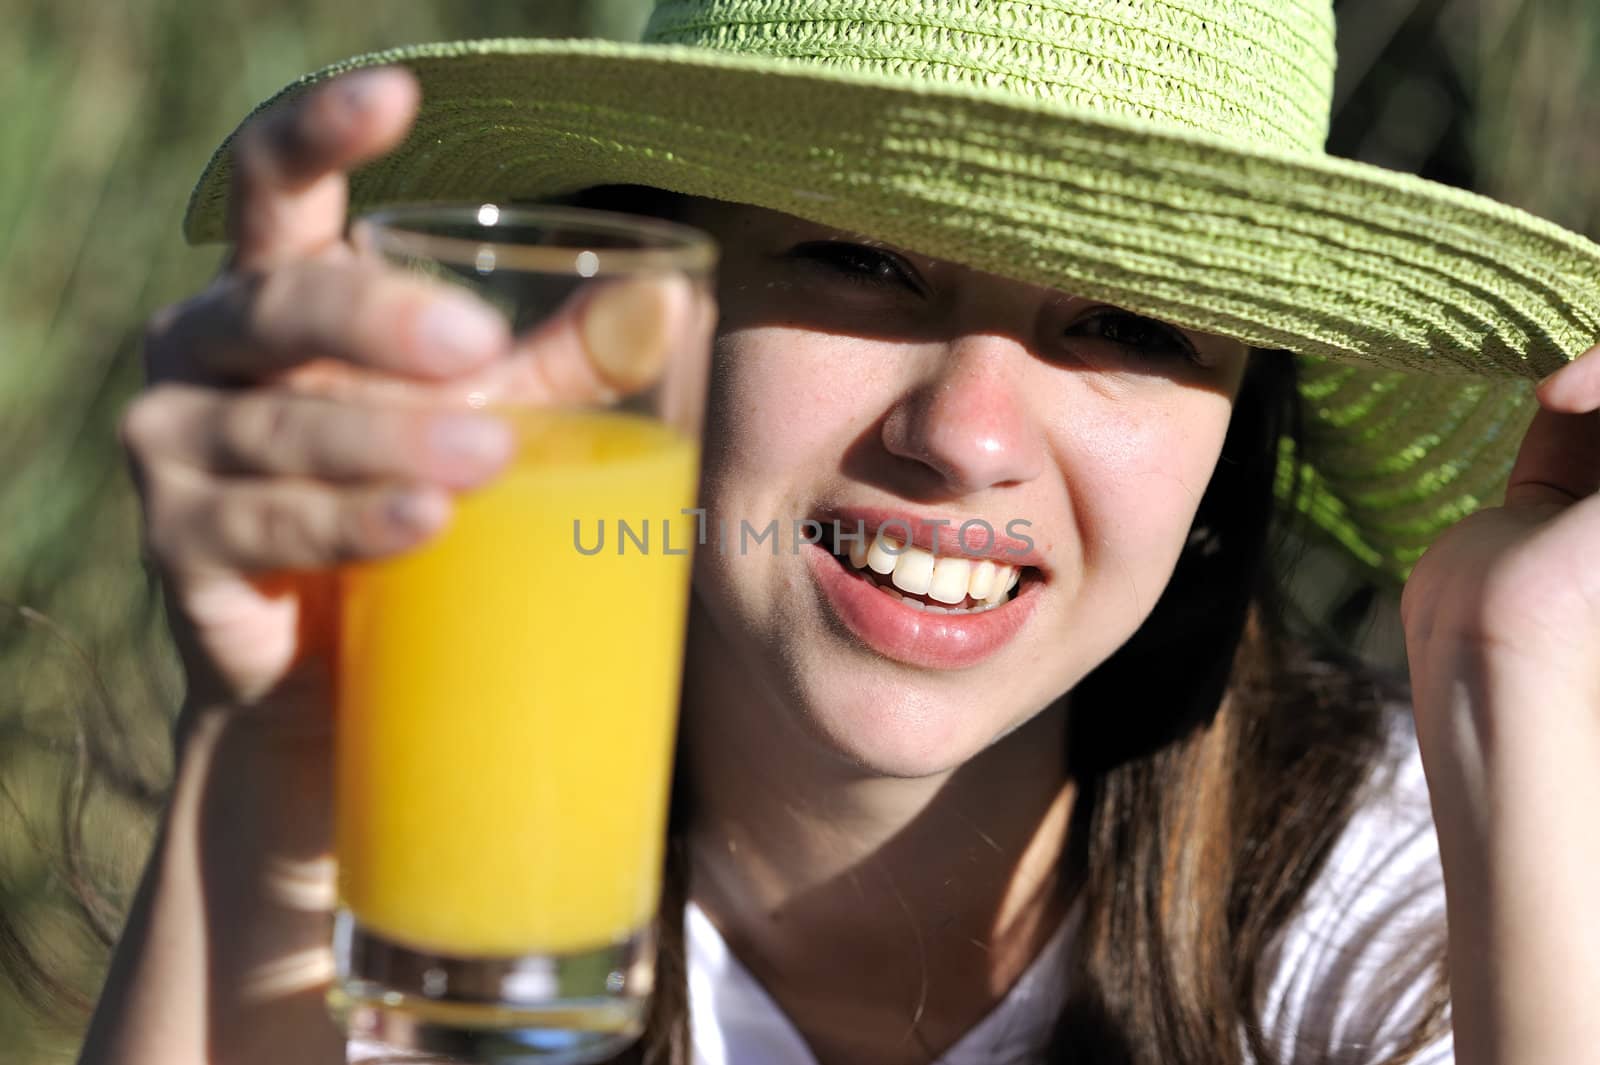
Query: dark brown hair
[[1213, 805]]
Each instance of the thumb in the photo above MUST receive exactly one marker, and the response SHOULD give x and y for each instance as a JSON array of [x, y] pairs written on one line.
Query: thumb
[[610, 340]]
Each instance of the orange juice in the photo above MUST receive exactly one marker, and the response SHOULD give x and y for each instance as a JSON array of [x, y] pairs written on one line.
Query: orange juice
[[508, 702]]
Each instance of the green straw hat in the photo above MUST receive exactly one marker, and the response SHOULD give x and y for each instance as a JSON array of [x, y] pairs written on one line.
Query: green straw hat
[[1165, 156]]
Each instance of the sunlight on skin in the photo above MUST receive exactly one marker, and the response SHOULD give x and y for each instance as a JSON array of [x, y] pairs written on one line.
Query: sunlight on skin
[[952, 393]]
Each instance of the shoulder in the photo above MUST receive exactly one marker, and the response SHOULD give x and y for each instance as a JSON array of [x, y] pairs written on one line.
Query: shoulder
[[1351, 975]]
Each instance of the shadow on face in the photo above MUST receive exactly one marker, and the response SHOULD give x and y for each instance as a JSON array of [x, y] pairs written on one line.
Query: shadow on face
[[781, 270]]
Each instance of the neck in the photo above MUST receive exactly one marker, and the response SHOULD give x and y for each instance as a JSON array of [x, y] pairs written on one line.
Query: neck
[[862, 902]]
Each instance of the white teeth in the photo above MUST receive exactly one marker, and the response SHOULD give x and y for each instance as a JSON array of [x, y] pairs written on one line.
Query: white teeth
[[858, 552], [913, 572], [879, 556], [947, 580], [950, 579], [915, 604], [1002, 584], [930, 608], [982, 579]]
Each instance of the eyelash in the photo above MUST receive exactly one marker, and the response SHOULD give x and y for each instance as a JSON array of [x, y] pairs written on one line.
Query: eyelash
[[858, 264], [1159, 341]]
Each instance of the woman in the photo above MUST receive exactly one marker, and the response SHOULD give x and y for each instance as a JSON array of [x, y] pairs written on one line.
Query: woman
[[1137, 828]]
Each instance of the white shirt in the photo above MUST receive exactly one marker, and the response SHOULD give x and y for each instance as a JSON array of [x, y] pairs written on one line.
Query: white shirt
[[1343, 982]]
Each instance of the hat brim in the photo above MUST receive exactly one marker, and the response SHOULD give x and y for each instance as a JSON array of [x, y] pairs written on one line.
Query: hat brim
[[1386, 274]]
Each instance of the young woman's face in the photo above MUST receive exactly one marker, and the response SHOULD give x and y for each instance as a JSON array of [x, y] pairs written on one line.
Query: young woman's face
[[858, 383]]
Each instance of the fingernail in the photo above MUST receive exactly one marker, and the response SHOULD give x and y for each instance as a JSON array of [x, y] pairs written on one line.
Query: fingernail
[[473, 438], [1562, 369], [418, 511], [627, 329], [457, 331], [357, 91]]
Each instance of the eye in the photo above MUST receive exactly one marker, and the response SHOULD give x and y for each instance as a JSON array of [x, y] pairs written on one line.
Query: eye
[[1140, 336], [861, 265]]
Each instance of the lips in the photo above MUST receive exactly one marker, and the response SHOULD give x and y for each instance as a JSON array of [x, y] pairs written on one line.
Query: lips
[[905, 634]]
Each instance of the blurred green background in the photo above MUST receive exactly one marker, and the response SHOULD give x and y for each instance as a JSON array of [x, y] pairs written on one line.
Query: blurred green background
[[110, 110]]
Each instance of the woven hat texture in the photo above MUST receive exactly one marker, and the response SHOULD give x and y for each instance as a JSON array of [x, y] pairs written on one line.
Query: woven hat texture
[[1165, 156]]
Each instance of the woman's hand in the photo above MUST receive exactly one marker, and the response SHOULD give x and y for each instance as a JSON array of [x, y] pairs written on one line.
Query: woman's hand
[[1502, 621], [311, 407]]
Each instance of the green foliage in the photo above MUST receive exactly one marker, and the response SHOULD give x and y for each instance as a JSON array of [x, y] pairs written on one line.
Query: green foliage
[[1537, 66]]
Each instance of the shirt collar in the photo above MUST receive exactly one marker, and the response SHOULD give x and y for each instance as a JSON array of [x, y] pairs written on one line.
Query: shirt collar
[[733, 1020]]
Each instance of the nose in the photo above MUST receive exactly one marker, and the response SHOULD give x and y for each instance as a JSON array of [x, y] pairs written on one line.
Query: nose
[[969, 422]]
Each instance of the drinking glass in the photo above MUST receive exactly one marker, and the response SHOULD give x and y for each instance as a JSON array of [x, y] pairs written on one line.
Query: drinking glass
[[507, 694]]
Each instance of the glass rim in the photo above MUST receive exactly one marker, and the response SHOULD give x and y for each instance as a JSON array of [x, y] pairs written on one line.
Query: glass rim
[[396, 229]]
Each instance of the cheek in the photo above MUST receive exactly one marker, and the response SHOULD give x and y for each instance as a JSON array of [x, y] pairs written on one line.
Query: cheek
[[1135, 476], [781, 399]]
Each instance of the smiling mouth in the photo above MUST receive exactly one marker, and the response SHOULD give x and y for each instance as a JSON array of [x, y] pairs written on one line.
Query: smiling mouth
[[931, 584]]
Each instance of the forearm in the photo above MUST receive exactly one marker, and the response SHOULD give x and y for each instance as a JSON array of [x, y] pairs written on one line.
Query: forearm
[[1513, 765], [224, 959]]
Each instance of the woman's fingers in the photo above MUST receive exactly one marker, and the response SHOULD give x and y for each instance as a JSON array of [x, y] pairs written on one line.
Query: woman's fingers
[[198, 523], [612, 338], [1559, 460], [289, 188], [252, 327], [1575, 388], [282, 433], [356, 425]]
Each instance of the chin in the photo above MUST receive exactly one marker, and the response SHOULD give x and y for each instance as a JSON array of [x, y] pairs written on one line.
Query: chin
[[900, 735]]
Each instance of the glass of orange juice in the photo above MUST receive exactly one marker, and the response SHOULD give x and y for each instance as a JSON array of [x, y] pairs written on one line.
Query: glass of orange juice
[[508, 693]]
